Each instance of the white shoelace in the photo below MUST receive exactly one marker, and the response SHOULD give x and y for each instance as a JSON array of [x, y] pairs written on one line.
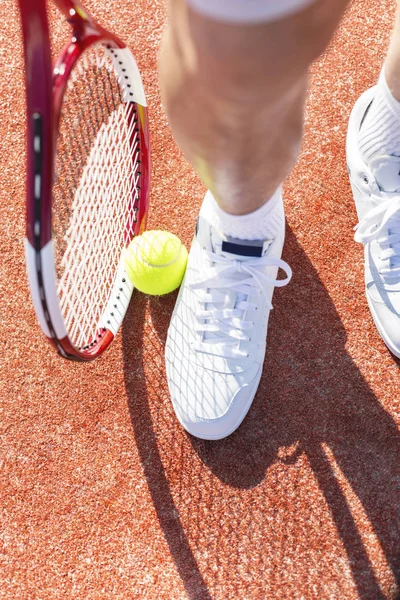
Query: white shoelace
[[221, 323], [382, 224]]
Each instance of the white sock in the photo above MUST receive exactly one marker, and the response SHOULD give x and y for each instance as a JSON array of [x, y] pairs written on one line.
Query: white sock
[[380, 131], [263, 223]]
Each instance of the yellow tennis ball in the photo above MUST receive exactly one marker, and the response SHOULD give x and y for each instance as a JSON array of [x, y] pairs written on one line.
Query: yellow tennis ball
[[155, 262]]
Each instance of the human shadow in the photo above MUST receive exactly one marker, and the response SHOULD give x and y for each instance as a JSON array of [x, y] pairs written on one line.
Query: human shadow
[[311, 397]]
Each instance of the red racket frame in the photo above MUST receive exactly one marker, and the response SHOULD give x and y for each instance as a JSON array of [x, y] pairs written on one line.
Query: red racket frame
[[45, 88]]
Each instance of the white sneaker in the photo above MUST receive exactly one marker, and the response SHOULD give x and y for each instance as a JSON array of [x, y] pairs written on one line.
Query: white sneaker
[[217, 336], [376, 190]]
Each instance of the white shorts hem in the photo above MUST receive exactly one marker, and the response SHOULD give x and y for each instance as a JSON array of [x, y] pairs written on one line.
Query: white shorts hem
[[248, 11]]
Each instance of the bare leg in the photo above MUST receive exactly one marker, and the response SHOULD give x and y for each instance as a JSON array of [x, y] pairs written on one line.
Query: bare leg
[[234, 96], [392, 63]]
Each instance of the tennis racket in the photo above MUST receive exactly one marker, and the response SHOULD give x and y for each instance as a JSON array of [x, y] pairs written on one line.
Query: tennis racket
[[88, 165]]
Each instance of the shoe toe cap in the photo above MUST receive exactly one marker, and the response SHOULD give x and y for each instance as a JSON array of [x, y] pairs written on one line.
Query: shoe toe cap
[[211, 405]]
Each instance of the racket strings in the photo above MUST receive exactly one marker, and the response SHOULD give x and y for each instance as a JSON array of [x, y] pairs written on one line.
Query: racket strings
[[97, 192], [87, 259], [79, 140]]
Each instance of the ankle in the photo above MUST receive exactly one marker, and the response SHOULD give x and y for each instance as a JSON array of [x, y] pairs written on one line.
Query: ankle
[[265, 222]]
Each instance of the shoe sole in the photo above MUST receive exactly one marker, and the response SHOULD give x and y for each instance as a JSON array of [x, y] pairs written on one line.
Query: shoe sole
[[238, 422]]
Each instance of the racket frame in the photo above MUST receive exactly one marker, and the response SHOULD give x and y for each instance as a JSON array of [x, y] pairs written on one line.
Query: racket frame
[[45, 88]]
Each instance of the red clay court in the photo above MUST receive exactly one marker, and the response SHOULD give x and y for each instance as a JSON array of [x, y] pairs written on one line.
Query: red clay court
[[103, 495]]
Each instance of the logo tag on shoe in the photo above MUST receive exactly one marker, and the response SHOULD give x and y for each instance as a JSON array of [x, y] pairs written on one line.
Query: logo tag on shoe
[[250, 248]]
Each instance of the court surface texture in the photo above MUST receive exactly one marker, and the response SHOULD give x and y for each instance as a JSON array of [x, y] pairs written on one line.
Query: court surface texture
[[103, 495]]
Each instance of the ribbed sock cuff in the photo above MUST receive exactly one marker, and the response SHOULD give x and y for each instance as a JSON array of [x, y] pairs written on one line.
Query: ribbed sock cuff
[[380, 132], [260, 224]]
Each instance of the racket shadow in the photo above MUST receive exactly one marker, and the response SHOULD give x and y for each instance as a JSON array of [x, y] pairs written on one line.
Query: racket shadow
[[137, 388]]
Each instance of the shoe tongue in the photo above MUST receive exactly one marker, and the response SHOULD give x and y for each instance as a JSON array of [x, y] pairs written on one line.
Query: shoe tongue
[[236, 248], [233, 249], [386, 170]]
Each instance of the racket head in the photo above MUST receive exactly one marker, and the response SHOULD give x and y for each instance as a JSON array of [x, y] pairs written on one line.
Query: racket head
[[88, 178]]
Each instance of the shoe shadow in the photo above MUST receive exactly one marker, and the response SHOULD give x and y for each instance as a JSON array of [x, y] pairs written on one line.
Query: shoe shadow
[[312, 401]]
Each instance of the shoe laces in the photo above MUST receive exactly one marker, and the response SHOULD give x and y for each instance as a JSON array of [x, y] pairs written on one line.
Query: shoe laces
[[227, 295], [382, 224]]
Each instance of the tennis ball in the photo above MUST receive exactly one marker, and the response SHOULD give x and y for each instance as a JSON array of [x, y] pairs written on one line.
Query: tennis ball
[[155, 262]]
